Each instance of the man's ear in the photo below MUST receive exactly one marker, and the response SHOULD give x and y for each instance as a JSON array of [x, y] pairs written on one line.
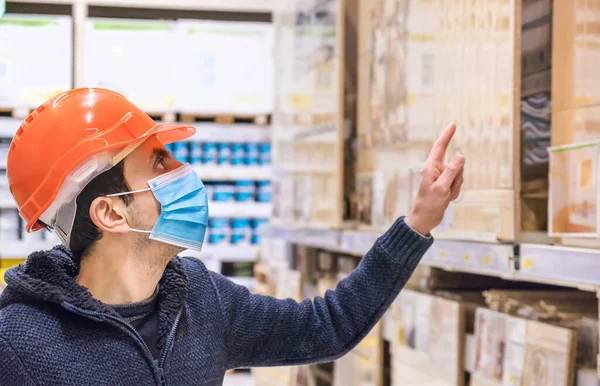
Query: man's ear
[[109, 215]]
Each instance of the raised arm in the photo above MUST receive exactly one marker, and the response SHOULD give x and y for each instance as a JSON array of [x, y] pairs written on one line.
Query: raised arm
[[264, 331]]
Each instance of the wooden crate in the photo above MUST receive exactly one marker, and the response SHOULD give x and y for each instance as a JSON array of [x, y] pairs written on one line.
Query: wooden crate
[[310, 118], [422, 65]]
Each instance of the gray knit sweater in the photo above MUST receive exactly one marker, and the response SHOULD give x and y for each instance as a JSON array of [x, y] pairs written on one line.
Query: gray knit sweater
[[53, 332]]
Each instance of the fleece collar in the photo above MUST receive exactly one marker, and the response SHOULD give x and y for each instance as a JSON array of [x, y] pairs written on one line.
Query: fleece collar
[[49, 276]]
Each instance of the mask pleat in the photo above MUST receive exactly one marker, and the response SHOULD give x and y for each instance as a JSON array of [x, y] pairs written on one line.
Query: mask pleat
[[178, 189], [184, 215], [183, 202]]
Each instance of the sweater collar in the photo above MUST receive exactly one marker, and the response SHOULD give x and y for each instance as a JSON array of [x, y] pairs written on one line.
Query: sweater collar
[[49, 276]]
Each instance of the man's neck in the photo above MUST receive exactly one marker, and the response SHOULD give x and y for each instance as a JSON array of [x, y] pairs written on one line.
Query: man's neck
[[120, 278]]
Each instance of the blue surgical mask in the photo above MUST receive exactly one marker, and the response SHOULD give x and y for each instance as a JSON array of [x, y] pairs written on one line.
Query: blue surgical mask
[[184, 208]]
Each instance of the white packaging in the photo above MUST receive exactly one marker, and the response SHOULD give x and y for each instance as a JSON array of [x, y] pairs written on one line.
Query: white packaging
[[36, 59], [142, 59], [228, 67]]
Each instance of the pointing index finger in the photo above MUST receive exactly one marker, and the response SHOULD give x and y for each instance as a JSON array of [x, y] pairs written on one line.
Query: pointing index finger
[[436, 156]]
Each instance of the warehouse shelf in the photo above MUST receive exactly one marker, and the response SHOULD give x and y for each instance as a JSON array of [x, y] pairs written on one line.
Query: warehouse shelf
[[9, 126], [211, 5], [227, 253], [546, 264], [7, 203], [240, 209], [214, 5], [233, 173], [319, 238], [556, 264], [235, 133], [205, 131]]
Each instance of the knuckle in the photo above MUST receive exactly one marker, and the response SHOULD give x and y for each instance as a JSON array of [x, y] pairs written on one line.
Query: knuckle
[[442, 189]]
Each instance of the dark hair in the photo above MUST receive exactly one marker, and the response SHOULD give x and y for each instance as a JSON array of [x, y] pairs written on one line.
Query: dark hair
[[84, 233]]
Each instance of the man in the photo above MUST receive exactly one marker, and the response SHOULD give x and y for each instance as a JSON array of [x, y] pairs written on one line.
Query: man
[[115, 306]]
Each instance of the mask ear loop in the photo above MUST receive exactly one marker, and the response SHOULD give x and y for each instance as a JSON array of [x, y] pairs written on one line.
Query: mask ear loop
[[125, 194]]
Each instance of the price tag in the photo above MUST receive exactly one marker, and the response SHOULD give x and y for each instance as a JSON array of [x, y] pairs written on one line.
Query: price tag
[[527, 263], [487, 259]]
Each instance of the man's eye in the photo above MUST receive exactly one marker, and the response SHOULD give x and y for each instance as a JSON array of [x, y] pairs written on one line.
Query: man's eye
[[160, 163]]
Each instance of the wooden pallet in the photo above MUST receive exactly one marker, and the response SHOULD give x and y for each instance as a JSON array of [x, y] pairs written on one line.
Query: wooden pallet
[[260, 119]]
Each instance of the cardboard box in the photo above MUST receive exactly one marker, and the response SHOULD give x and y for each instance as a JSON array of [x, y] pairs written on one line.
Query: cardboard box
[[142, 59], [227, 67], [446, 60], [575, 51], [362, 366], [310, 126], [513, 351], [395, 102], [574, 192], [426, 335], [36, 59], [575, 125]]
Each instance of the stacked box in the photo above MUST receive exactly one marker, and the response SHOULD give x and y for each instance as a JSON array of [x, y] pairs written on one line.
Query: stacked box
[[424, 64], [514, 351], [228, 67], [36, 59], [575, 121], [427, 335], [395, 99], [477, 86], [141, 59], [309, 126], [574, 190]]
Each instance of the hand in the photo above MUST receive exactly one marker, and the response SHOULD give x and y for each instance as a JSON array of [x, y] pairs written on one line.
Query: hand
[[440, 184]]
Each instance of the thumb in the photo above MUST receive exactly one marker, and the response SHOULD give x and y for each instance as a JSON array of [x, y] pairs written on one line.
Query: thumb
[[451, 171]]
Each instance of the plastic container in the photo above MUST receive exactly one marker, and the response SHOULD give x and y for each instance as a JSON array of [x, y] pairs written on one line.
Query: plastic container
[[181, 151], [251, 154], [223, 153], [264, 154], [218, 230], [257, 225], [195, 153], [244, 191], [238, 154], [209, 153], [222, 192], [264, 192], [241, 232]]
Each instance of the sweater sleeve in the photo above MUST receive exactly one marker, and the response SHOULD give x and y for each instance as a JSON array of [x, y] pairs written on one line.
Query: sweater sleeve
[[12, 370], [264, 331]]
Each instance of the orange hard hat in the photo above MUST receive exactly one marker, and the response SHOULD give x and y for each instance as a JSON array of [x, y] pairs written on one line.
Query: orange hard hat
[[65, 131]]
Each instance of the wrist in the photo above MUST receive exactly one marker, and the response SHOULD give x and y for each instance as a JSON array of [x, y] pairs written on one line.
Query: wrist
[[414, 221]]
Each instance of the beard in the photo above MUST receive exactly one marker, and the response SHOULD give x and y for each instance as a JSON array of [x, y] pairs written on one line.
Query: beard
[[160, 251]]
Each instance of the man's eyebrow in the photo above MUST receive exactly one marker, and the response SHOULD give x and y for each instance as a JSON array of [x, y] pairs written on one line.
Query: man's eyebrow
[[158, 154]]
